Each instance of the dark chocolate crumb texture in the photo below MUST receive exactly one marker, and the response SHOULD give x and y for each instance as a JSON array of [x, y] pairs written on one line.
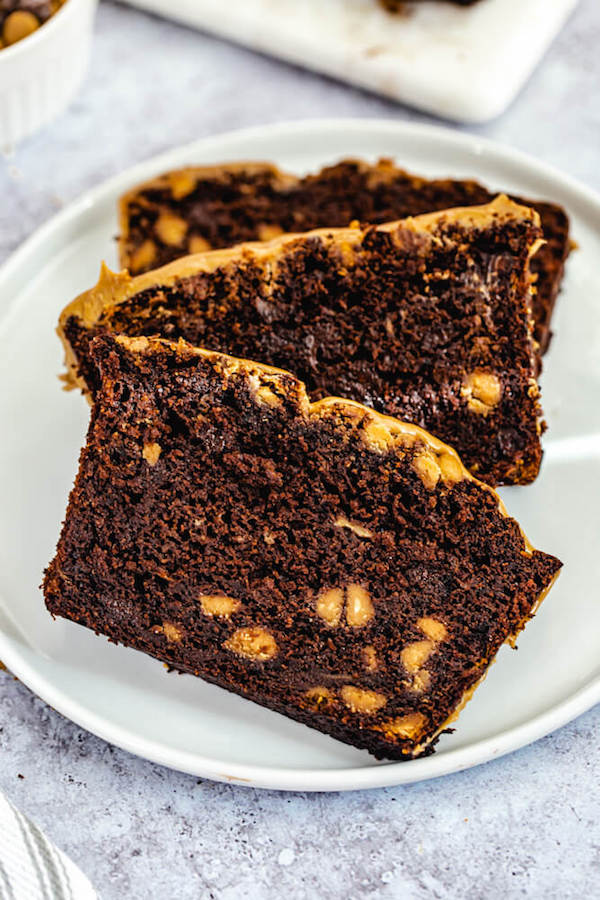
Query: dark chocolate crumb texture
[[427, 319], [213, 207], [335, 565]]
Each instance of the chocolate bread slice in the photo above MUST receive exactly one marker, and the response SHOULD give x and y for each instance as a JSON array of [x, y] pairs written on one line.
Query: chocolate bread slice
[[327, 562], [211, 207], [427, 319]]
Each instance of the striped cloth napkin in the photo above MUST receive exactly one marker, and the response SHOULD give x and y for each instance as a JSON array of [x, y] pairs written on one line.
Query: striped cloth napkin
[[31, 867]]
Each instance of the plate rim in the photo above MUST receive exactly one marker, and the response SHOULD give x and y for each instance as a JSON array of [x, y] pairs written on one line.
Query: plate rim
[[268, 776], [312, 779]]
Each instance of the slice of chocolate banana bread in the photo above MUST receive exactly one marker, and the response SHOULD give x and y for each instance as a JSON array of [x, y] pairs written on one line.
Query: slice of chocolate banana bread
[[212, 207], [336, 565], [427, 319]]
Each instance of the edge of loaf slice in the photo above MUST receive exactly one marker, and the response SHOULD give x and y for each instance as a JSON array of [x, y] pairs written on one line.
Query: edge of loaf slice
[[427, 319], [200, 208]]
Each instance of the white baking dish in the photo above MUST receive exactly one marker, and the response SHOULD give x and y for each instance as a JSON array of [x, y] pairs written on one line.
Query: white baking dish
[[40, 74]]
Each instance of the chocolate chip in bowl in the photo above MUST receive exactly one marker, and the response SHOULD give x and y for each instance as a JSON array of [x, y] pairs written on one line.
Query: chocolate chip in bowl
[[44, 52], [20, 18]]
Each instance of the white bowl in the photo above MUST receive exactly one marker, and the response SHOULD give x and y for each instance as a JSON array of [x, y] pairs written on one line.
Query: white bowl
[[40, 74]]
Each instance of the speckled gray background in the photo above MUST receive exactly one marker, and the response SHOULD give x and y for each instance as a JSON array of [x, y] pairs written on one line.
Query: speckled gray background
[[525, 825]]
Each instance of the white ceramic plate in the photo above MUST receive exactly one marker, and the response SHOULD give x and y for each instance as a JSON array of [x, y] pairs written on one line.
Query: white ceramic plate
[[130, 699]]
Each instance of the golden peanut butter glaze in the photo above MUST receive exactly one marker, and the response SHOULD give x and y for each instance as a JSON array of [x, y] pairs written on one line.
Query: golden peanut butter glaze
[[114, 288], [379, 433]]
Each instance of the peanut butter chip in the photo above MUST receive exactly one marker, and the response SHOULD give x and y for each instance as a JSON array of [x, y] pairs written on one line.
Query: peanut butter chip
[[378, 436], [198, 244], [319, 696], [450, 468], [433, 628], [414, 655], [263, 392], [254, 643], [182, 184], [347, 249], [170, 228], [362, 701], [143, 256], [137, 344], [359, 530], [478, 407], [268, 232], [151, 452], [267, 396], [172, 632], [408, 726], [219, 605], [359, 606], [18, 25], [369, 658], [329, 606], [482, 391], [427, 469], [421, 681]]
